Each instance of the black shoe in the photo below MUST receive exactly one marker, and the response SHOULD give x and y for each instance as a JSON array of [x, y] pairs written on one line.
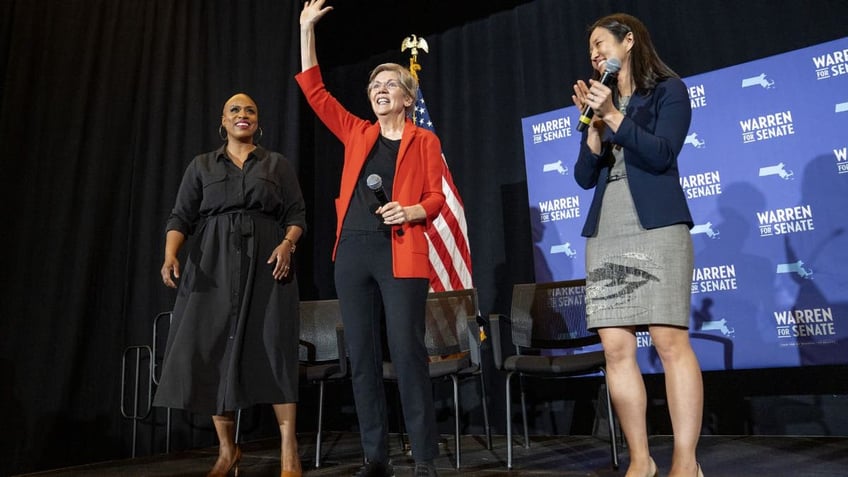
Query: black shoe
[[376, 469], [425, 469]]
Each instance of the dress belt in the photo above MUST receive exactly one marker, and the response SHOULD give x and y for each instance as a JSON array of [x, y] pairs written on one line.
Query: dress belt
[[242, 227], [615, 177]]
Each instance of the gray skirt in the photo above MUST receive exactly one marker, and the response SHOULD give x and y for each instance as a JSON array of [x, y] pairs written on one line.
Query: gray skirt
[[636, 277]]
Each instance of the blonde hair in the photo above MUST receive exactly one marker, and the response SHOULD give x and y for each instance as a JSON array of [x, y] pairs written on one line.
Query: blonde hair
[[408, 83]]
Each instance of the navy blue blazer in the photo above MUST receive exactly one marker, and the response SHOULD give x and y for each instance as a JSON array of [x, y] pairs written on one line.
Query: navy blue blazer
[[652, 134]]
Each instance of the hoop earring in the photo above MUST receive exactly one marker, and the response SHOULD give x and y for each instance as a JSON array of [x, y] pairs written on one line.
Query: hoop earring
[[255, 139], [222, 133]]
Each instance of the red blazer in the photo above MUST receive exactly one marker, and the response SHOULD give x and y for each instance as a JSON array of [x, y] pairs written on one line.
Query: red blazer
[[418, 172]]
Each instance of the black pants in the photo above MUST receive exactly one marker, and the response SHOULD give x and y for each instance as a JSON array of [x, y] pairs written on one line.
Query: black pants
[[365, 286]]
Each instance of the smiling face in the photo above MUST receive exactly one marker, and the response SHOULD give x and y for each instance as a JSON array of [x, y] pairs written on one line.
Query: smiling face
[[240, 118], [387, 94], [603, 45], [391, 90]]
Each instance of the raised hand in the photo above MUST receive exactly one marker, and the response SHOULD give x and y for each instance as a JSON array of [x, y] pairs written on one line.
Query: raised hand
[[581, 92], [582, 97], [313, 10]]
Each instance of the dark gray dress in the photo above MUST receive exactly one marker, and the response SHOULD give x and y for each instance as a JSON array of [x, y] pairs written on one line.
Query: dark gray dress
[[234, 336]]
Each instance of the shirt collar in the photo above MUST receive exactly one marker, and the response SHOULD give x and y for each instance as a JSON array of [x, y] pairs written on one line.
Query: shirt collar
[[259, 153]]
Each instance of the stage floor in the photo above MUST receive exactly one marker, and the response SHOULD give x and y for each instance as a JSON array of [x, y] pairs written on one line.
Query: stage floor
[[724, 456]]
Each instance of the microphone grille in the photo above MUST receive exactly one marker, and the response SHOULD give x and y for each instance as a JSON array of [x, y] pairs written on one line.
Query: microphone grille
[[374, 181], [613, 65]]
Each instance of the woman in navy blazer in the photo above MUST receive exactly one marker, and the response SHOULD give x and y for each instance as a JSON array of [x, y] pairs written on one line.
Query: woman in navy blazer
[[639, 257], [652, 166]]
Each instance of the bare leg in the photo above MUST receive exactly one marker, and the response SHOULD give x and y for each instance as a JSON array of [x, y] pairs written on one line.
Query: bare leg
[[228, 453], [289, 457], [685, 391], [628, 395]]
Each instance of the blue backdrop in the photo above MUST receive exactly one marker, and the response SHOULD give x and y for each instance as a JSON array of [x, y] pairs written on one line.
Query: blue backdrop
[[765, 171]]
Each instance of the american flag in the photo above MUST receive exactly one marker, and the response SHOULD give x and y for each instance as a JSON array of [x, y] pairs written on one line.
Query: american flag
[[450, 255]]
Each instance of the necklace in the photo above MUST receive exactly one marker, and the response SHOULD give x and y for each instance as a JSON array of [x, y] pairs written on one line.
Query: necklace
[[623, 101]]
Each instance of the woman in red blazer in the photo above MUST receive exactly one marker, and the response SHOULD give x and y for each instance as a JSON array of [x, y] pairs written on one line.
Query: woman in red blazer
[[381, 252]]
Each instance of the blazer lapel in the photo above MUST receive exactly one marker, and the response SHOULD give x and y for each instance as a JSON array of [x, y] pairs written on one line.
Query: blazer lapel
[[409, 132]]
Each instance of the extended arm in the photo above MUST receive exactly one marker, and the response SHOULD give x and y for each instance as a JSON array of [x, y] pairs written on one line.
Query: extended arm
[[313, 11]]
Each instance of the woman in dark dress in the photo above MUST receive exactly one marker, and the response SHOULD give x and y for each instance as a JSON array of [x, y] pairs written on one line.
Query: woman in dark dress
[[234, 335]]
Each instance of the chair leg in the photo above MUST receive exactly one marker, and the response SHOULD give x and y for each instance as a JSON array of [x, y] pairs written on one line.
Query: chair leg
[[508, 422], [320, 424], [238, 426], [456, 417], [168, 430], [486, 413], [611, 419], [524, 412]]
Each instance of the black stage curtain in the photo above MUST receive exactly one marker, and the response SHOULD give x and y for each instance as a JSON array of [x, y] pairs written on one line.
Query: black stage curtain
[[104, 102]]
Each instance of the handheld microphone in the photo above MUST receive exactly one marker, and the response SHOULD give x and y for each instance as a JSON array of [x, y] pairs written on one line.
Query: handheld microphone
[[612, 67], [375, 183]]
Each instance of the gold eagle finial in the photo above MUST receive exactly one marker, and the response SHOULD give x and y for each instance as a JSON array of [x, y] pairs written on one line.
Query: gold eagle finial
[[414, 43]]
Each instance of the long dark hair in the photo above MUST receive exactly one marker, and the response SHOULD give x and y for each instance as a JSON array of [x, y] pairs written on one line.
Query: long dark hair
[[646, 67]]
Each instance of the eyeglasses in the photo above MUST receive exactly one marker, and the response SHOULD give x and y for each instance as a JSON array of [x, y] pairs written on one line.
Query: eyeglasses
[[377, 85]]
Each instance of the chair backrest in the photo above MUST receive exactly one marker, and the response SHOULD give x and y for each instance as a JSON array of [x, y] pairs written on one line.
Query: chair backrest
[[320, 322], [447, 316], [550, 315]]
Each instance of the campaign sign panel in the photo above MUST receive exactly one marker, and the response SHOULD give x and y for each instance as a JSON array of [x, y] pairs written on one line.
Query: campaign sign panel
[[765, 172]]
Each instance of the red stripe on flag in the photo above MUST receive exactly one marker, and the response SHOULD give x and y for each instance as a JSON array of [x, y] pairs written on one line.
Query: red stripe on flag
[[450, 256], [461, 245]]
